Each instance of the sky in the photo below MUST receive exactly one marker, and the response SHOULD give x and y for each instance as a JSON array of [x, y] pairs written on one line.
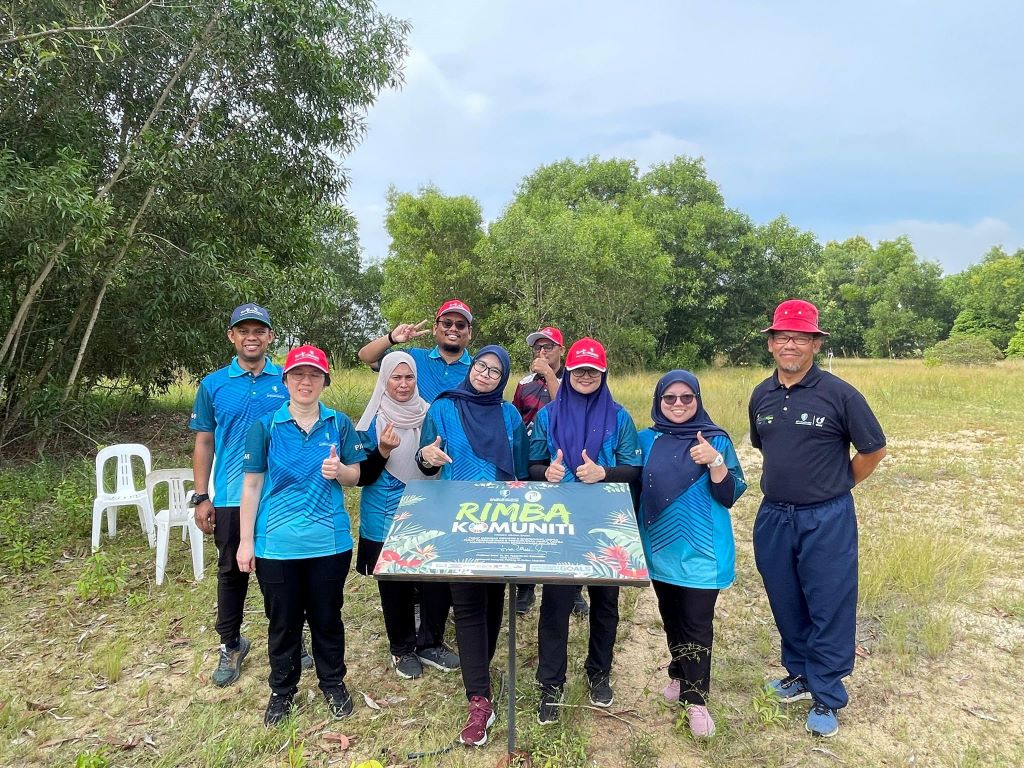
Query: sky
[[871, 118]]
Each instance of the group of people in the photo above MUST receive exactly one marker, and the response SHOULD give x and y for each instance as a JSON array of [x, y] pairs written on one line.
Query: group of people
[[275, 459]]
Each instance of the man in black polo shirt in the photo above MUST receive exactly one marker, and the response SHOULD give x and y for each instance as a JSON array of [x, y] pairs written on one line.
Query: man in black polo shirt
[[804, 420]]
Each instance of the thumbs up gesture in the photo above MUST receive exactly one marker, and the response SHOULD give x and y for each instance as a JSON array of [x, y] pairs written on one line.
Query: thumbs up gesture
[[556, 469], [703, 452], [432, 455], [588, 471], [389, 440], [332, 465]]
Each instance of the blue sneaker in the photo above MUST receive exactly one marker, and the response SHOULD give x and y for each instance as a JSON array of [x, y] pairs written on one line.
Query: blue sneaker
[[789, 689], [822, 721]]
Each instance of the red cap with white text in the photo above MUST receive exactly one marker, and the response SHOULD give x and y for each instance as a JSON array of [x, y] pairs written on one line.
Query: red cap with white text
[[550, 333], [456, 306], [307, 355], [587, 353]]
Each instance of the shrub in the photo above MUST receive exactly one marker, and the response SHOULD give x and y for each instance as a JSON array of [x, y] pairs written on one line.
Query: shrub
[[963, 350]]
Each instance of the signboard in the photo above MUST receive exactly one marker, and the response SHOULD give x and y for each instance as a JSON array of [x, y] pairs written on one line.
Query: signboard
[[515, 531]]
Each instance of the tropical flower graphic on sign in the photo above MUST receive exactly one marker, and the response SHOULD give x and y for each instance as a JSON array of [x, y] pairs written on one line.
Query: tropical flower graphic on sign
[[619, 551], [408, 544]]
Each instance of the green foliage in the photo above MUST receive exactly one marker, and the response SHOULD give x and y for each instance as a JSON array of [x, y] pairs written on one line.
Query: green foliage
[[990, 297], [1016, 346], [962, 350], [767, 708], [97, 759], [168, 169], [101, 577]]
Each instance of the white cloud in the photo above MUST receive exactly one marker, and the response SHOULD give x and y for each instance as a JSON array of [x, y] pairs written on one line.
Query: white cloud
[[422, 71], [656, 147], [955, 246]]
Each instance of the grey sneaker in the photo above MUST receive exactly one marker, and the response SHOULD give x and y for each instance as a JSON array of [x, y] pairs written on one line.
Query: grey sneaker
[[601, 694], [307, 659], [230, 665], [407, 666], [579, 604], [439, 657]]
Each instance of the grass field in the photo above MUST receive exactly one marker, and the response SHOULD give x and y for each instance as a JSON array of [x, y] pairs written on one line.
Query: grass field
[[103, 667]]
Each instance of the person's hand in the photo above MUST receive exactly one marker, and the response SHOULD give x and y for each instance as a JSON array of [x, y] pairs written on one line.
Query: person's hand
[[433, 456], [703, 452], [541, 366], [389, 440], [404, 332], [206, 516], [589, 472], [332, 465], [556, 469], [245, 557]]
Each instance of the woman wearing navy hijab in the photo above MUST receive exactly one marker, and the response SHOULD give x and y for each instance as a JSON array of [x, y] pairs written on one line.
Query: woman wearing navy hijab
[[582, 435], [690, 480], [472, 433]]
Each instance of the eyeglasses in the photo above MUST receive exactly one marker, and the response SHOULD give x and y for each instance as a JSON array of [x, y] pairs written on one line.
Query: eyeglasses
[[492, 373], [459, 325], [686, 399], [542, 349], [585, 373], [313, 376], [782, 339]]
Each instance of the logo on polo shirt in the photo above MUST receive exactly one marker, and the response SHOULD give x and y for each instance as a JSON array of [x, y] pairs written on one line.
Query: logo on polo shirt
[[765, 418], [810, 420]]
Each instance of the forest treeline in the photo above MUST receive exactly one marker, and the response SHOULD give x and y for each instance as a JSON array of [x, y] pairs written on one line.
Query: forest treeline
[[161, 163]]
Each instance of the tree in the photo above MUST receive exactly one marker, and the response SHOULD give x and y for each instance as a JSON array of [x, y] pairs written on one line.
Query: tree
[[991, 297], [1016, 345], [432, 256], [158, 170]]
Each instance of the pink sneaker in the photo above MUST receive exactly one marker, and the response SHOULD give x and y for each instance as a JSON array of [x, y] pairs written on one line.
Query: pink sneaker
[[701, 724], [671, 692], [481, 715]]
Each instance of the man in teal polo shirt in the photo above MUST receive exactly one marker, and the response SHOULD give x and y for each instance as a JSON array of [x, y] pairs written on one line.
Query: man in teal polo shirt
[[444, 366], [227, 403]]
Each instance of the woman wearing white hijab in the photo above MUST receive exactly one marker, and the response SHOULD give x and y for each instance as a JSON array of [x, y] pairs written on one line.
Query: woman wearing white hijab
[[390, 432]]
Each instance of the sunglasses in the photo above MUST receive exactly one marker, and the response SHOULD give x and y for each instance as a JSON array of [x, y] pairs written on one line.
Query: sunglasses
[[540, 349], [673, 399], [459, 325]]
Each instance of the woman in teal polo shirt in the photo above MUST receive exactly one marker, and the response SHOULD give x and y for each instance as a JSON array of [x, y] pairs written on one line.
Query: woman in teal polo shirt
[[690, 479], [295, 532]]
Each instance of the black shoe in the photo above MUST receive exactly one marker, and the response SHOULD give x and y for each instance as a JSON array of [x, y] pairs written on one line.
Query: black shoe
[[525, 598], [579, 604], [550, 702], [278, 708], [307, 659], [407, 666], [339, 702], [601, 694]]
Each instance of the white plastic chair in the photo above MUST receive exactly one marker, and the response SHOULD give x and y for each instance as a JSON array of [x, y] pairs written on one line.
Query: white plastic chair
[[178, 513], [125, 493]]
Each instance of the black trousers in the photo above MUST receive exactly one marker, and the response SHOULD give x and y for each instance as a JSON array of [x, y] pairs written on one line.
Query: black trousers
[[553, 631], [296, 591], [232, 584], [398, 600], [688, 615], [478, 609]]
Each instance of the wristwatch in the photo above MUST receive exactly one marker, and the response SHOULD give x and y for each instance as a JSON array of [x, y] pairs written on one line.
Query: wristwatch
[[719, 461], [198, 498]]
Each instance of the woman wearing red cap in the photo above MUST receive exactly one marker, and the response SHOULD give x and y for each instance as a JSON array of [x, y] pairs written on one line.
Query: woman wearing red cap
[[295, 532], [584, 436]]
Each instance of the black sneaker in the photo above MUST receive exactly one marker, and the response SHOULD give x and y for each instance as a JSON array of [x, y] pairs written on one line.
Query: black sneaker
[[278, 708], [439, 657], [550, 702], [407, 666], [307, 659], [525, 598], [230, 665], [579, 604], [339, 702], [601, 694]]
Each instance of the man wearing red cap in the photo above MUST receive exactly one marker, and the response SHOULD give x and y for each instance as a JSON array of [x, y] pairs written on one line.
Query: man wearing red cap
[[444, 366], [804, 420]]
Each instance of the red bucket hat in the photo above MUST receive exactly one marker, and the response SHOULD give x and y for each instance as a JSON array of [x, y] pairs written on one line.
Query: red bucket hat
[[550, 333], [587, 353], [308, 355], [795, 315]]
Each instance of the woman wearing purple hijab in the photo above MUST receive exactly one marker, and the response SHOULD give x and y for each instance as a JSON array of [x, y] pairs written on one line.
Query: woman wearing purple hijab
[[690, 480], [583, 436]]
